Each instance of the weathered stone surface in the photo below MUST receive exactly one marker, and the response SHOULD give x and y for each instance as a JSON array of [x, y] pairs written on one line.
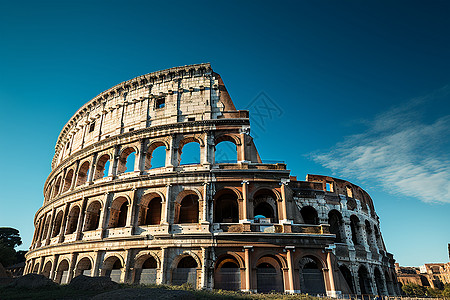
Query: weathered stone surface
[[82, 282], [32, 281]]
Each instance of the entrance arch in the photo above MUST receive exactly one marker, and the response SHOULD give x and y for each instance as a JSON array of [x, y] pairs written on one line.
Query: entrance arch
[[364, 281], [185, 272], [227, 275], [84, 267], [147, 273], [62, 274], [112, 268], [311, 276], [268, 275]]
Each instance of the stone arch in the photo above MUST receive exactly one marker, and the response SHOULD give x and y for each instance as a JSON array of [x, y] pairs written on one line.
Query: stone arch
[[92, 215], [227, 273], [46, 227], [112, 266], [347, 274], [336, 223], [84, 266], [36, 268], [185, 269], [379, 282], [100, 165], [83, 172], [228, 137], [389, 283], [221, 153], [368, 229], [68, 180], [47, 269], [355, 227], [269, 275], [146, 268], [311, 275], [142, 256], [239, 259], [62, 272], [118, 212], [364, 280], [57, 223], [184, 142], [124, 155], [309, 215], [150, 207], [152, 147], [187, 211], [265, 203], [57, 187], [72, 219], [226, 206]]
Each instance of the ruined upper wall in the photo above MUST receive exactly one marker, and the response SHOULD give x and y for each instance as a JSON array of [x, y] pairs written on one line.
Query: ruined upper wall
[[182, 94]]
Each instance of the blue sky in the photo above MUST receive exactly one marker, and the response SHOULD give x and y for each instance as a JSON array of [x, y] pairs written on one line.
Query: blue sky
[[356, 89]]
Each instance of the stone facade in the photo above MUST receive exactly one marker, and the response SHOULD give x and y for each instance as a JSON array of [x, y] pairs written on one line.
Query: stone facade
[[244, 225]]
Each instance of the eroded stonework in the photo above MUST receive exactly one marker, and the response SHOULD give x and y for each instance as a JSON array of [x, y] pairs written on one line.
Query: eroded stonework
[[243, 225]]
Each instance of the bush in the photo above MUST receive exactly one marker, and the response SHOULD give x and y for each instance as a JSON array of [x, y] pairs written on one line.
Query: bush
[[412, 289]]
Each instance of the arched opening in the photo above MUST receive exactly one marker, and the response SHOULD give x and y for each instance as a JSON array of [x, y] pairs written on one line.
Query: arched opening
[[389, 283], [268, 276], [92, 220], [378, 237], [68, 180], [83, 173], [156, 156], [185, 272], [148, 273], [226, 209], [368, 233], [309, 215], [101, 170], [190, 153], [57, 224], [379, 282], [56, 188], [72, 221], [84, 267], [112, 268], [348, 278], [118, 213], [354, 226], [364, 281], [47, 269], [46, 227], [150, 210], [62, 274], [188, 211], [36, 268], [265, 206], [335, 221], [311, 276], [227, 275], [226, 152], [126, 160]]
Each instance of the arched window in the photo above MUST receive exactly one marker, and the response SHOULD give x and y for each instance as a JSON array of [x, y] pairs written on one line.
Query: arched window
[[378, 237], [150, 210], [379, 282], [47, 269], [364, 281], [62, 273], [188, 211], [46, 227], [309, 215], [72, 221], [112, 268], [57, 224], [190, 153], [226, 152], [268, 276], [83, 173], [185, 272], [354, 226], [226, 208], [349, 191], [127, 160], [156, 156], [227, 275], [57, 187], [84, 267], [118, 213], [148, 273], [368, 232], [68, 180], [348, 279], [335, 221], [101, 169], [92, 216], [311, 276], [264, 205]]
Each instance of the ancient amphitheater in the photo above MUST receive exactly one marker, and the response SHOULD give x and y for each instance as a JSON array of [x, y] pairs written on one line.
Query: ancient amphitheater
[[242, 225]]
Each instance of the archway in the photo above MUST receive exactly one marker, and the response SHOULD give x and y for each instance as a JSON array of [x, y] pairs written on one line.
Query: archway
[[227, 275], [189, 153], [83, 172], [150, 210], [188, 210], [185, 272], [62, 274], [147, 274], [311, 276], [92, 216], [379, 282], [364, 281], [354, 226], [68, 180], [348, 277], [84, 267], [101, 170], [112, 268], [47, 269], [72, 221], [268, 275], [226, 208], [335, 221], [57, 224], [118, 213], [264, 204], [225, 152], [309, 215]]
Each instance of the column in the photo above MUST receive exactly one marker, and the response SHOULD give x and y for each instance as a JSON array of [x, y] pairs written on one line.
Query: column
[[162, 277], [81, 219], [204, 275], [124, 277], [284, 202], [245, 206], [91, 169], [132, 210], [289, 257], [330, 264], [97, 263], [64, 223], [204, 217], [73, 260], [52, 274], [50, 227], [103, 215], [248, 266], [165, 218]]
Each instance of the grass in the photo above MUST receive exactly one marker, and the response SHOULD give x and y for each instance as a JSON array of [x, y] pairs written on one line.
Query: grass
[[66, 292]]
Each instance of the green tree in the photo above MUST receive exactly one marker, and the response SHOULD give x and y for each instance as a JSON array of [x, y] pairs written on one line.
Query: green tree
[[446, 291], [9, 239], [412, 289]]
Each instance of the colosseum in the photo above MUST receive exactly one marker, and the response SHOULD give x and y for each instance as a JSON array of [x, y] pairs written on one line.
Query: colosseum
[[246, 224]]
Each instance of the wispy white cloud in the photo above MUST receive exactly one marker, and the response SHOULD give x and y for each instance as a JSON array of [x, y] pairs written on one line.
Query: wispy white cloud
[[399, 151]]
